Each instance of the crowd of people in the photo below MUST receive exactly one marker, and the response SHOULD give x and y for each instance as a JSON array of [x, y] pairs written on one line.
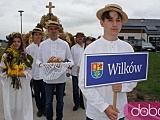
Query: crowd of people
[[97, 101]]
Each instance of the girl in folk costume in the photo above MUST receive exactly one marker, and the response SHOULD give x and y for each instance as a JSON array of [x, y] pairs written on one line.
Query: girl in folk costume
[[15, 77]]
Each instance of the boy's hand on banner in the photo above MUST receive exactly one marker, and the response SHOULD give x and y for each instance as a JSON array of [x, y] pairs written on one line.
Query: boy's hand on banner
[[111, 113]]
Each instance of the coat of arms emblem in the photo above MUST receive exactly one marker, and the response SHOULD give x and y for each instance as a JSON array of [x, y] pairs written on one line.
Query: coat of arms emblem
[[97, 69]]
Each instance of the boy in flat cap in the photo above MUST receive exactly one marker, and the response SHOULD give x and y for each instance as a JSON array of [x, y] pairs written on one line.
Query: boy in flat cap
[[50, 48], [76, 52], [100, 99], [32, 49]]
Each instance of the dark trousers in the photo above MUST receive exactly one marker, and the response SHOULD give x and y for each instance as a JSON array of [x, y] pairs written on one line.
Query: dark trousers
[[49, 89], [92, 119], [77, 94], [31, 86], [87, 118], [40, 97]]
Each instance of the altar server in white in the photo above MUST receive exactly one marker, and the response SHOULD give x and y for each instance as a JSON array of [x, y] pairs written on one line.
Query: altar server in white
[[100, 99]]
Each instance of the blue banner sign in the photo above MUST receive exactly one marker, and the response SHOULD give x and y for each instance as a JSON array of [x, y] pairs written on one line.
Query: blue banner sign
[[105, 69]]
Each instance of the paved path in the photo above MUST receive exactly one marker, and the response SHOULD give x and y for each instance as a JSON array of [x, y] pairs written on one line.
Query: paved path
[[68, 105]]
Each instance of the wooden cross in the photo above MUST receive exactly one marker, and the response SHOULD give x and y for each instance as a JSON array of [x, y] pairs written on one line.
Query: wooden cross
[[50, 7]]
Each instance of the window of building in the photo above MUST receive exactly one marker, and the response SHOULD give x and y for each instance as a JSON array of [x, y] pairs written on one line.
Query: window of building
[[130, 37], [154, 40]]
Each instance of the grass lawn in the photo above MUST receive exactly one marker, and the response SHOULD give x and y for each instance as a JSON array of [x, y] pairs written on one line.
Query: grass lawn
[[151, 87], [3, 46]]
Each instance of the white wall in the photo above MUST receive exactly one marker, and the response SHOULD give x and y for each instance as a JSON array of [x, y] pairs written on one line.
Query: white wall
[[136, 35]]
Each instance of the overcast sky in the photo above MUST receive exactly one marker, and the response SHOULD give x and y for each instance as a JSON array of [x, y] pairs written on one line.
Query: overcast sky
[[75, 15]]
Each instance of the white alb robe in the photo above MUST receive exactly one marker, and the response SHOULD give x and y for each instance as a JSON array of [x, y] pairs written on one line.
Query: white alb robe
[[17, 103]]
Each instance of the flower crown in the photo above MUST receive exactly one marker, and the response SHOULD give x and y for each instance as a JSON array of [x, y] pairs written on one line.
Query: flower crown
[[14, 35]]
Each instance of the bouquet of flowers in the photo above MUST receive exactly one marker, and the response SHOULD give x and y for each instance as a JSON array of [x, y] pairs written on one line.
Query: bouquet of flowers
[[15, 63]]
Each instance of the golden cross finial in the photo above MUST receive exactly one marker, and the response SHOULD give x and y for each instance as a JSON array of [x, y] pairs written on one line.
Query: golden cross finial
[[50, 7]]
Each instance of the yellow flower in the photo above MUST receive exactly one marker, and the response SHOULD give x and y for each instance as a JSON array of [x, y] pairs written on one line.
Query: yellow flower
[[12, 50], [15, 53], [21, 69], [14, 65], [17, 69]]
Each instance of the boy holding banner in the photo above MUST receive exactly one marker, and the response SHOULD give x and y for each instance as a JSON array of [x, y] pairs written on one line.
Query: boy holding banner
[[100, 99]]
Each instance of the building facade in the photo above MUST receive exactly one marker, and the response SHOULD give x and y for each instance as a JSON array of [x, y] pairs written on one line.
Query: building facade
[[142, 29]]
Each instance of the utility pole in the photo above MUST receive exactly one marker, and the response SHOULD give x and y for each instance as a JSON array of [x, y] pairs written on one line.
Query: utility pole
[[21, 11]]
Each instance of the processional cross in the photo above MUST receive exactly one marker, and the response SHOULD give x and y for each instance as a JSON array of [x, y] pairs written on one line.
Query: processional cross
[[50, 7]]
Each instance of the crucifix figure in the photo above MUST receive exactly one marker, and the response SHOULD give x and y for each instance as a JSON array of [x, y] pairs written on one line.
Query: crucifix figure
[[50, 7]]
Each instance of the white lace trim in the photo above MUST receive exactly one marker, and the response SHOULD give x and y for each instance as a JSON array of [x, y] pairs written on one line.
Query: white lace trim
[[52, 71]]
